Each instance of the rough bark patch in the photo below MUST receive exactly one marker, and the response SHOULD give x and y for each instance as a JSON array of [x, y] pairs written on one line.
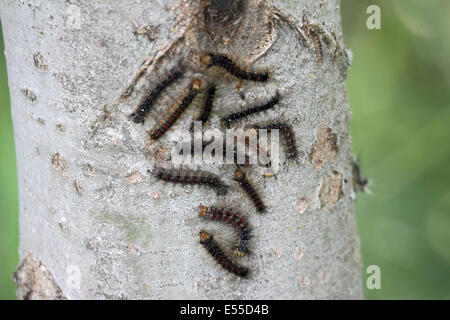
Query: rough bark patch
[[61, 127], [30, 95], [222, 14], [134, 178], [58, 162], [77, 186], [331, 190], [39, 62], [35, 281], [150, 31], [325, 148], [302, 205]]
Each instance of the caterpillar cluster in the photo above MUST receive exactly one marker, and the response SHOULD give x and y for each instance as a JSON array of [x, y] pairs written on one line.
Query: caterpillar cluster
[[228, 65], [207, 240], [232, 217], [147, 103], [177, 111], [190, 177], [228, 120]]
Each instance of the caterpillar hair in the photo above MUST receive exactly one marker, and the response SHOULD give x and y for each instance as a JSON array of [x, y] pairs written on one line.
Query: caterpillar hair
[[251, 192], [360, 184], [207, 240], [232, 217], [287, 136], [207, 107], [260, 151], [228, 120], [227, 64], [190, 177], [146, 104], [224, 151], [177, 111]]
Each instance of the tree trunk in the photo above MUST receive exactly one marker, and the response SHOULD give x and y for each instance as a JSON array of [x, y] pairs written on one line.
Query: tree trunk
[[95, 224]]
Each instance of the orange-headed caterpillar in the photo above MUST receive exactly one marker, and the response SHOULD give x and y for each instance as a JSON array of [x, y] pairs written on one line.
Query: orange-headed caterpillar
[[227, 64], [147, 103], [226, 121], [190, 177], [177, 111], [232, 217], [207, 240], [250, 190], [287, 136], [208, 105]]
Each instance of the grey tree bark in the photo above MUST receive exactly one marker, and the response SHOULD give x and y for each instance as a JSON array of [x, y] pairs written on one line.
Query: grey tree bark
[[94, 224]]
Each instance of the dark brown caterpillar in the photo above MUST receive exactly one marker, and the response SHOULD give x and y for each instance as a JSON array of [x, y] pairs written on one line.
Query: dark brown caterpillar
[[240, 177], [235, 152], [208, 242], [147, 103], [225, 63], [228, 120], [232, 217], [177, 111], [287, 136], [224, 151], [207, 107], [190, 177], [360, 184]]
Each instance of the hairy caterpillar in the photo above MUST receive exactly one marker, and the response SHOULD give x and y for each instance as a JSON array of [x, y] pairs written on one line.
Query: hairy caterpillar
[[207, 107], [233, 218], [190, 177], [147, 103], [287, 135], [224, 151], [208, 242], [360, 184], [260, 151], [226, 121], [227, 64], [240, 177], [177, 111]]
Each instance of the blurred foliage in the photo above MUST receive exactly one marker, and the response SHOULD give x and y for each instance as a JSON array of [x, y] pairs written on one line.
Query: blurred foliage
[[9, 233], [399, 91]]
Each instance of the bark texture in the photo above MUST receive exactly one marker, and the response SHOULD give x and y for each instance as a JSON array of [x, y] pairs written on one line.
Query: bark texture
[[95, 224]]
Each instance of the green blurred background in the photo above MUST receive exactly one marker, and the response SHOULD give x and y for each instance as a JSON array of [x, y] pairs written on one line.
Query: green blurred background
[[9, 207], [399, 89]]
